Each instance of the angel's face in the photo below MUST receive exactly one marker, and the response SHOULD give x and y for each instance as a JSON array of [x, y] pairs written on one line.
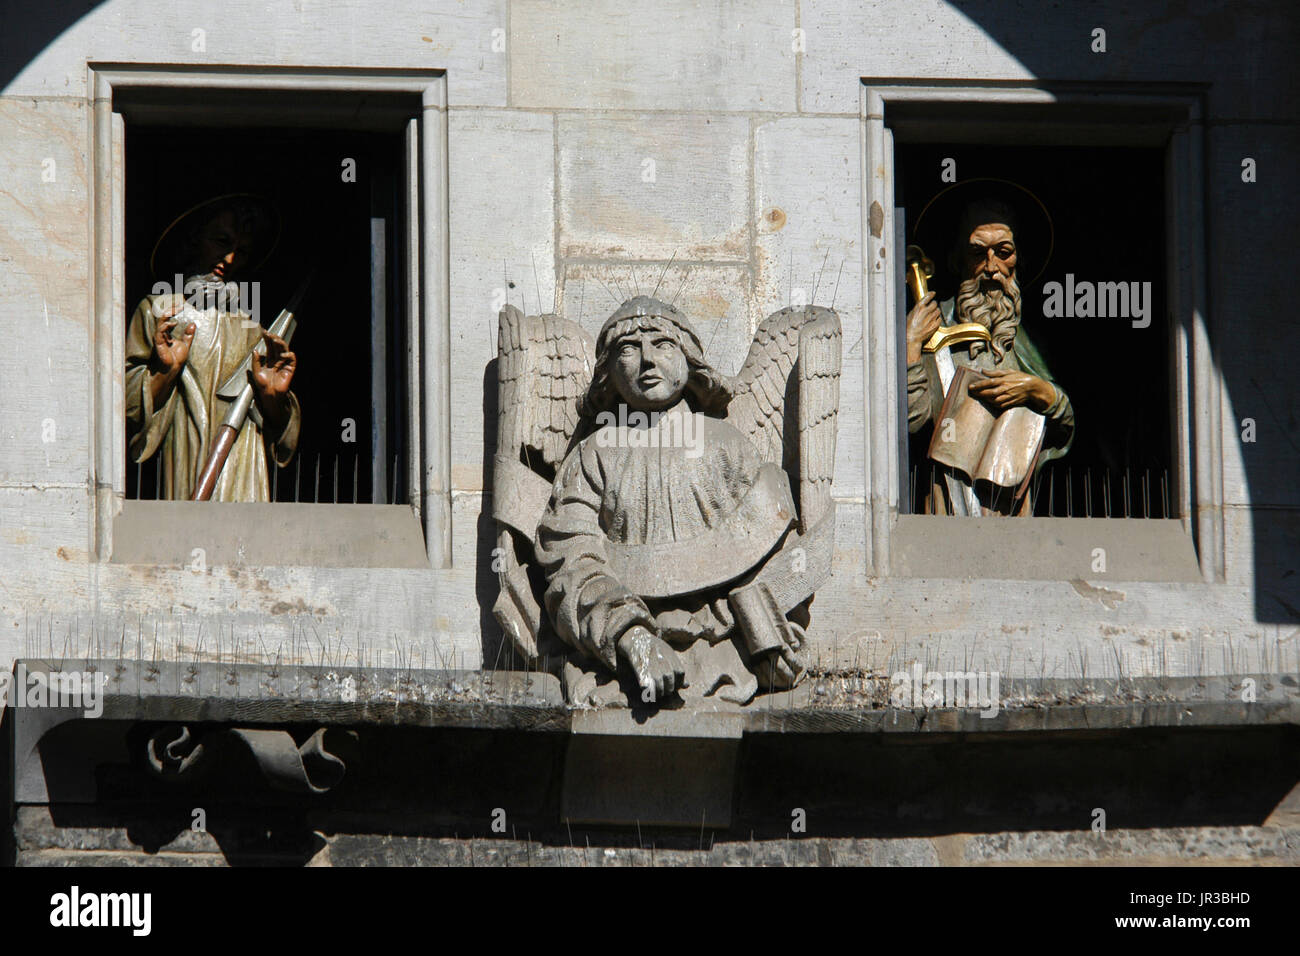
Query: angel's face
[[649, 369]]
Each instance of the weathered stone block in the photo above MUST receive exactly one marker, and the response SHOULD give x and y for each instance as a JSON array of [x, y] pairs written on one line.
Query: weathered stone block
[[502, 175], [441, 34], [47, 858], [36, 829], [44, 382], [678, 772], [1180, 844], [654, 187], [809, 249], [738, 55], [992, 40], [846, 43]]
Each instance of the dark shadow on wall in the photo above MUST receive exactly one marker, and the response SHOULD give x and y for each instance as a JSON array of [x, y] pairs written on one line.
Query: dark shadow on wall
[[8, 850], [497, 651], [28, 28]]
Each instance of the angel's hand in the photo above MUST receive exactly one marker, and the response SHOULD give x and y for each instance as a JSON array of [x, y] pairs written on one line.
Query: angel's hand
[[657, 668]]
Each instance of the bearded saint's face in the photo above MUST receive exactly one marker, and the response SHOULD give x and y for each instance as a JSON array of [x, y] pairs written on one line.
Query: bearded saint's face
[[649, 368], [989, 293]]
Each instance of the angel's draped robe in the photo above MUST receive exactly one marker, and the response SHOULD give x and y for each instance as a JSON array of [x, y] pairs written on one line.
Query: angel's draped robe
[[626, 521], [182, 430]]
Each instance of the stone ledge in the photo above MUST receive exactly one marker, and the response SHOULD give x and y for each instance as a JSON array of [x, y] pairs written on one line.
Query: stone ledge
[[515, 700], [35, 830], [1217, 846], [1185, 845], [81, 858]]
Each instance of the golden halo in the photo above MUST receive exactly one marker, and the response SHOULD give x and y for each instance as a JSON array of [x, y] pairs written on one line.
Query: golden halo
[[171, 231], [949, 197]]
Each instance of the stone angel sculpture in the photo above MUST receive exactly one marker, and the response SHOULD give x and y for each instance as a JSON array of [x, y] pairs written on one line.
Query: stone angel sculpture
[[661, 526]]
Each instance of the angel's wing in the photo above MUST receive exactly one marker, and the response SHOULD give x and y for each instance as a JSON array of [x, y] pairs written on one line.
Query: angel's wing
[[820, 342], [544, 367], [787, 398]]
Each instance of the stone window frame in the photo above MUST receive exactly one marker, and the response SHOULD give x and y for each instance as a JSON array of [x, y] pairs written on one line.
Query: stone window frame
[[1166, 115], [425, 248]]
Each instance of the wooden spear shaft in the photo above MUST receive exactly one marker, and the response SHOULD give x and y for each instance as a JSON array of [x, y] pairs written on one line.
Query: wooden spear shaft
[[283, 326], [226, 436]]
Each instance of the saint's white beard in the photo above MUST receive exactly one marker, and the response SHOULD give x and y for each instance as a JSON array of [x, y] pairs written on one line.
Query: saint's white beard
[[997, 311]]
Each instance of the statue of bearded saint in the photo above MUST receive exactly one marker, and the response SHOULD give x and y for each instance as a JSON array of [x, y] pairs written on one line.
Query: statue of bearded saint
[[989, 294], [689, 519]]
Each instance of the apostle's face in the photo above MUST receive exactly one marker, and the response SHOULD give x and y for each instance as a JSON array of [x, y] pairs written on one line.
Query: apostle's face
[[222, 248], [989, 293], [990, 257], [649, 369]]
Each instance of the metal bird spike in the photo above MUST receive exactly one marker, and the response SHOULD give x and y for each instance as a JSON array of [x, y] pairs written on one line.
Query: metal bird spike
[[537, 286], [664, 273], [618, 286], [818, 280], [617, 300], [719, 324], [685, 274]]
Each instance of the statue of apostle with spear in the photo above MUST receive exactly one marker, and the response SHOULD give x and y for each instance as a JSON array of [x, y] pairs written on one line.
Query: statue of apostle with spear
[[198, 365]]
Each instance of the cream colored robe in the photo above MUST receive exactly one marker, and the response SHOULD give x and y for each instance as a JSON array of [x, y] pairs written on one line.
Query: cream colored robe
[[182, 430]]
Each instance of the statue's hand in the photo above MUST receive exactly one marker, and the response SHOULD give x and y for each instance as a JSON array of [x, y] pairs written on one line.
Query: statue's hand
[[271, 379], [656, 666], [273, 375], [170, 351], [922, 322], [1006, 389]]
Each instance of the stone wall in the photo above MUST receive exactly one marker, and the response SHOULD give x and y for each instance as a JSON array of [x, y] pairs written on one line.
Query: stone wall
[[596, 149]]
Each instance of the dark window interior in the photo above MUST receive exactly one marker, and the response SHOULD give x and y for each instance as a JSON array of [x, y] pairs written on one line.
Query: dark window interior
[[1107, 209], [326, 224]]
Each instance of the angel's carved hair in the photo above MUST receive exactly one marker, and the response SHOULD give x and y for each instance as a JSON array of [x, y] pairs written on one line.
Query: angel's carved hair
[[707, 390]]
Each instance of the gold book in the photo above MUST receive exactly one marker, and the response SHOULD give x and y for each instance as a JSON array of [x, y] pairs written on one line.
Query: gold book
[[987, 445], [955, 335]]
